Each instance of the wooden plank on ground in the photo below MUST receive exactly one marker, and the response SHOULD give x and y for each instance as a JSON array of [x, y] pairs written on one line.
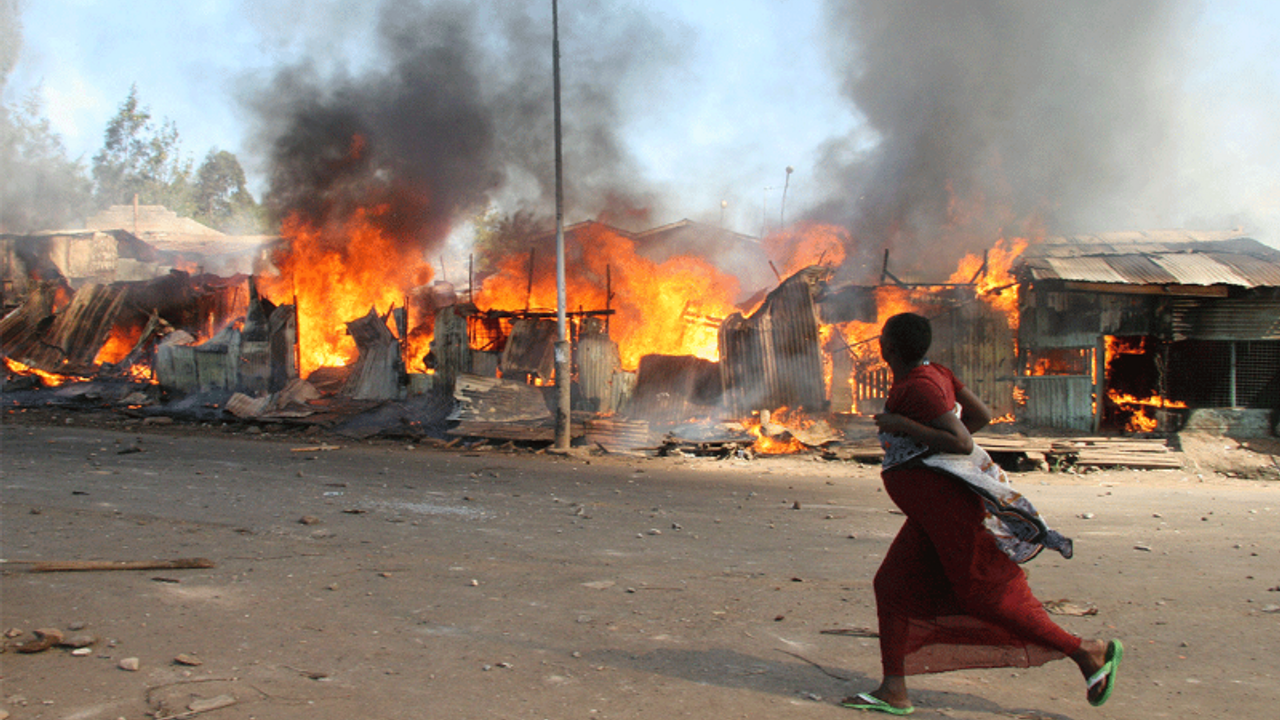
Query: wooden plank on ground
[[1144, 460], [91, 565], [1012, 443]]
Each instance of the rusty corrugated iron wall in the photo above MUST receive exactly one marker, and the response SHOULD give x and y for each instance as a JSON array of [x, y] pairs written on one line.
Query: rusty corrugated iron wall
[[598, 364], [773, 359]]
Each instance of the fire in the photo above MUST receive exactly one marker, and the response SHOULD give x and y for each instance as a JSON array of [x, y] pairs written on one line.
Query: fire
[[1139, 420], [768, 445], [49, 378], [890, 300], [119, 344], [1137, 407], [337, 274], [803, 244], [670, 308], [992, 276]]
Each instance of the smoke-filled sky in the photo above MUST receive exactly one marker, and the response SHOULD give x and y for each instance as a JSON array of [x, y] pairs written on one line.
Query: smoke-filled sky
[[908, 122]]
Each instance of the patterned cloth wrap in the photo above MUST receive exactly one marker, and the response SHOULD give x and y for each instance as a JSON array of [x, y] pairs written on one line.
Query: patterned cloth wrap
[[1010, 517]]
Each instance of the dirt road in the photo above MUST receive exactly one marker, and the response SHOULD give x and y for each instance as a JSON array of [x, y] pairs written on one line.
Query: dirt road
[[387, 581]]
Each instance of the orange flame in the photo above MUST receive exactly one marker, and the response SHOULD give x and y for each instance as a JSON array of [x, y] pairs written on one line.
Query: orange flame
[[48, 378], [803, 244], [671, 308], [1138, 407], [767, 445], [337, 275], [994, 283], [119, 344]]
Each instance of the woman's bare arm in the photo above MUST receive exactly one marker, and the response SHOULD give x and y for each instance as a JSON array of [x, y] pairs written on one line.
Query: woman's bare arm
[[973, 412]]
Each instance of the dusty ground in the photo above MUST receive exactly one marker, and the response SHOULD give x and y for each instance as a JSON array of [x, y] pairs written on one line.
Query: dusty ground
[[510, 585]]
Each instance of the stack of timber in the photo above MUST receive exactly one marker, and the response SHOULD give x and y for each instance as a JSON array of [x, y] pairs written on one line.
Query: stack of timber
[[1014, 444], [1134, 453], [1116, 452], [617, 435]]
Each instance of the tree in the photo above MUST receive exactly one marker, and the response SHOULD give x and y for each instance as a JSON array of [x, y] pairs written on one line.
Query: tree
[[139, 158], [221, 199], [43, 189]]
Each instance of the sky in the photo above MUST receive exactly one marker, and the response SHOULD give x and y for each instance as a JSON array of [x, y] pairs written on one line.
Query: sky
[[753, 77], [702, 107]]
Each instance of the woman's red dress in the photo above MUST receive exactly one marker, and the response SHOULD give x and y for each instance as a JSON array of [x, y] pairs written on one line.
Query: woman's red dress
[[946, 594]]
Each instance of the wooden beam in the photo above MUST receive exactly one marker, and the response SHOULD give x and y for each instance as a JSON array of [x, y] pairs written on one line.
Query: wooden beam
[[88, 565]]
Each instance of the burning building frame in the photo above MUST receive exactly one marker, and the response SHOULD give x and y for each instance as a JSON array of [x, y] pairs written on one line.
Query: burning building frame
[[1157, 325], [1139, 331]]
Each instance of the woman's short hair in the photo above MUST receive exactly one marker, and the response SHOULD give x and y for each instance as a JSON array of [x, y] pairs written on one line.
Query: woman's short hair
[[910, 334]]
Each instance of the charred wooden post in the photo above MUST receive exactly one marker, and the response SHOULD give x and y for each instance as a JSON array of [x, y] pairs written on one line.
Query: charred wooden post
[[450, 348], [282, 341], [376, 374], [255, 346]]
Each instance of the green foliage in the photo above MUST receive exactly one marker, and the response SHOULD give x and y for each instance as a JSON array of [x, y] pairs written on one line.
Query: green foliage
[[137, 157], [221, 199], [42, 188]]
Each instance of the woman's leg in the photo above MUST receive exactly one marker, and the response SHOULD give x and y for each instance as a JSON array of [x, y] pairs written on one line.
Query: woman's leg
[[985, 582], [905, 585]]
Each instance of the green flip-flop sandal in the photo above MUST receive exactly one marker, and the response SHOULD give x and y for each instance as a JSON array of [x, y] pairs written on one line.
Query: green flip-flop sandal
[[1106, 675], [865, 701]]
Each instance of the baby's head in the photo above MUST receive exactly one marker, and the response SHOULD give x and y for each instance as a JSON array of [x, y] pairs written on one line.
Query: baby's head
[[907, 334]]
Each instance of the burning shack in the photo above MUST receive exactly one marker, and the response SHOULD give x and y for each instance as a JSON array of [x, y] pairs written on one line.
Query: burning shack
[[1150, 330]]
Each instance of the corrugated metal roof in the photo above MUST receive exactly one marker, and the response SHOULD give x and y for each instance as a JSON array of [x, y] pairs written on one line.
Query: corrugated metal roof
[[1141, 269], [1134, 241], [1172, 257], [1085, 269], [1201, 269], [1156, 269], [1261, 272]]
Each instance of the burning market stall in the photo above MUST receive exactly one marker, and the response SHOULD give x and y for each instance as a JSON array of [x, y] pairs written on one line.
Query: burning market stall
[[974, 318], [1162, 326]]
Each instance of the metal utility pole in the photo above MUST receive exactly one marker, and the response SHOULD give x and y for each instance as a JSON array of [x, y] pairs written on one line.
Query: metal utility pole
[[563, 368], [782, 214]]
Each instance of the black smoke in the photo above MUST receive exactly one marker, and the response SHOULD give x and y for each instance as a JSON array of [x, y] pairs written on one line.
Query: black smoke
[[998, 118], [456, 112]]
